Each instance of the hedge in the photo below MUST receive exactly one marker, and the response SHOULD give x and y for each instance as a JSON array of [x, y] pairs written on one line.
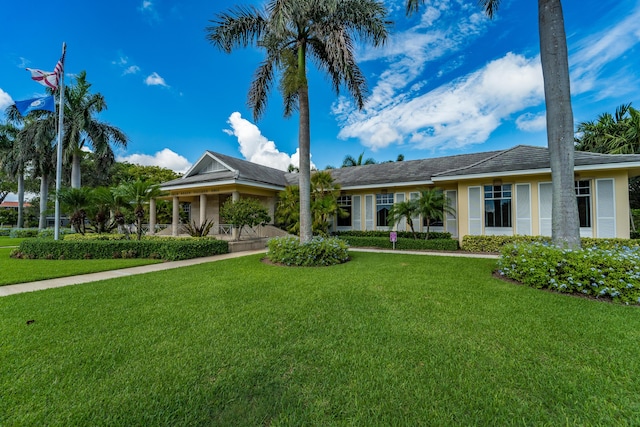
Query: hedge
[[495, 243], [402, 243], [24, 232], [318, 252], [168, 249], [402, 234]]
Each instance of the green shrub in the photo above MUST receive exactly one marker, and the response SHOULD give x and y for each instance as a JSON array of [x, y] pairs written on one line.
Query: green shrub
[[23, 232], [49, 233], [495, 243], [169, 249], [319, 251], [5, 232], [402, 243], [401, 234], [93, 236], [611, 273]]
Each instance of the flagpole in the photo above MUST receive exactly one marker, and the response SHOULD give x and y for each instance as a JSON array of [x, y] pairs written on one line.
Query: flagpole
[[59, 155]]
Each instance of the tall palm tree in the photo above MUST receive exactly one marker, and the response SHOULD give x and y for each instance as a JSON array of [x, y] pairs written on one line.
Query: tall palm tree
[[349, 161], [432, 204], [565, 228], [138, 194], [14, 162], [291, 32], [613, 134], [83, 129]]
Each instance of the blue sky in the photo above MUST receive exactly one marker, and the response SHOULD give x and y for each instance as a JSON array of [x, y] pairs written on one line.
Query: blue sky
[[448, 81]]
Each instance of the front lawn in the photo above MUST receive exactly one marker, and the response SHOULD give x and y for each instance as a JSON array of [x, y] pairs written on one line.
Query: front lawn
[[385, 339], [10, 241], [14, 271]]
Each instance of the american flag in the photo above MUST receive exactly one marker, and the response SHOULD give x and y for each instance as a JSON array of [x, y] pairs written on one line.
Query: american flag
[[49, 79]]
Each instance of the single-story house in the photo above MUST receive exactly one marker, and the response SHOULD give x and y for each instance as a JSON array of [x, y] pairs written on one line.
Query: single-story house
[[504, 192]]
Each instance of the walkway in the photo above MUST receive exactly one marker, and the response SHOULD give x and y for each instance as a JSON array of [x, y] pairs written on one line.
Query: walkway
[[112, 274]]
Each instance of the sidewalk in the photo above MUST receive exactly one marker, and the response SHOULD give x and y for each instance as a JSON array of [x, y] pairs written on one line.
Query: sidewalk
[[112, 274]]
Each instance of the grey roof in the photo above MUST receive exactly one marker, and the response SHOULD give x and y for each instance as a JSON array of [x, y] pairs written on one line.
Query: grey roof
[[516, 159]]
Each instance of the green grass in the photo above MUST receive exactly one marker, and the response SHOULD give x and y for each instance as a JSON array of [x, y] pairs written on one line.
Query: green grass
[[8, 241], [381, 340], [14, 271]]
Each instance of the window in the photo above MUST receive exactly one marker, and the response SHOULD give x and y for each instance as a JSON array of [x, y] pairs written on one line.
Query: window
[[497, 205], [583, 193], [185, 212], [344, 203], [383, 205]]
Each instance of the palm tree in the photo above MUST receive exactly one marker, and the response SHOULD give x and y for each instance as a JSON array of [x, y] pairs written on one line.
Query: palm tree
[[407, 209], [291, 32], [14, 162], [82, 128], [611, 134], [432, 204], [565, 228], [349, 161], [324, 201], [76, 201], [138, 194]]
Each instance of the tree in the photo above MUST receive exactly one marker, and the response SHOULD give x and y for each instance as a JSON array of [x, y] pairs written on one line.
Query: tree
[[137, 195], [244, 212], [611, 134], [324, 201], [82, 128], [291, 32], [565, 227], [432, 204], [407, 209], [351, 161], [14, 162], [288, 209], [75, 202]]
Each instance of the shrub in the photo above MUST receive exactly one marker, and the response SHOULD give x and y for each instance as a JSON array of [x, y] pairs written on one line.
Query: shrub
[[5, 231], [169, 249], [23, 232], [495, 243], [92, 236], [401, 234], [612, 273], [402, 243], [49, 233], [319, 251]]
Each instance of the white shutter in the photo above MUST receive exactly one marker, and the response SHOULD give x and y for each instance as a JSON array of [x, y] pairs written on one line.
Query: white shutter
[[523, 209], [475, 211], [605, 208], [417, 224], [402, 224], [451, 219], [368, 212], [356, 213], [545, 201]]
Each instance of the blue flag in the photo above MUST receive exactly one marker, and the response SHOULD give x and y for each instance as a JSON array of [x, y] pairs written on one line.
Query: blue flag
[[45, 103]]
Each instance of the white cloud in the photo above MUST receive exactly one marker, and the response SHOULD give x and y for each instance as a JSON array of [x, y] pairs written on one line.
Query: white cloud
[[529, 122], [148, 9], [165, 158], [256, 148], [155, 80], [133, 69], [462, 112], [5, 100]]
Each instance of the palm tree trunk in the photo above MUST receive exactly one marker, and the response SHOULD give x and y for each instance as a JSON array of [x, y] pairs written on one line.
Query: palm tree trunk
[[20, 199], [75, 171], [304, 144], [565, 227], [44, 196]]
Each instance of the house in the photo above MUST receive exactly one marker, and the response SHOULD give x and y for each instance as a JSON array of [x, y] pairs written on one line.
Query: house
[[504, 192]]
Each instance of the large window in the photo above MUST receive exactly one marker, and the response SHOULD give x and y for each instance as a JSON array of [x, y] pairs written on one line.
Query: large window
[[583, 194], [344, 203], [383, 205], [497, 205]]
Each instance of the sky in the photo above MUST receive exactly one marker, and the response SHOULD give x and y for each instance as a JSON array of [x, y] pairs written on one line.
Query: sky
[[447, 81]]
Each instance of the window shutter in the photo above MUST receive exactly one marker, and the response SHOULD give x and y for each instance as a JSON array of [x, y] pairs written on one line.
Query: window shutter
[[475, 211], [356, 211], [368, 212], [452, 218], [605, 208], [523, 209], [545, 200]]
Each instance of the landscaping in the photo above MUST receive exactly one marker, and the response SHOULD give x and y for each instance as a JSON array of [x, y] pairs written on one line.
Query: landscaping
[[385, 339]]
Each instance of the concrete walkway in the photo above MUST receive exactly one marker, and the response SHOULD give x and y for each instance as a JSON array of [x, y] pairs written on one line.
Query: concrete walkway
[[112, 274]]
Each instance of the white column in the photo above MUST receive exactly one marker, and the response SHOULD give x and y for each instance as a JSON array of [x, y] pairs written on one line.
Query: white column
[[235, 196], [175, 223], [152, 216], [203, 208]]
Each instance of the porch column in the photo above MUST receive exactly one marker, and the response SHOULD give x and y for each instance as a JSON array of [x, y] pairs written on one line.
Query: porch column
[[175, 218], [203, 209], [152, 216], [235, 196]]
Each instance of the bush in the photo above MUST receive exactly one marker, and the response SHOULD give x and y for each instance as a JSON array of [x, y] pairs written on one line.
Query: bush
[[49, 233], [496, 243], [611, 273], [23, 232], [401, 234], [5, 232], [319, 251], [402, 243], [168, 249], [91, 236]]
